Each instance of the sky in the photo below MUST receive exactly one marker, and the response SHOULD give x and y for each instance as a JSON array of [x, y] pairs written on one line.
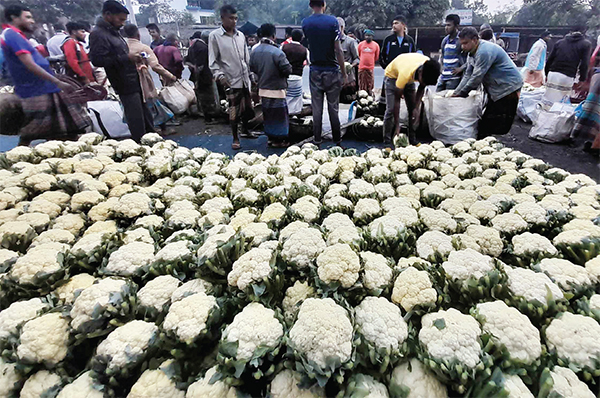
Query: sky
[[498, 5]]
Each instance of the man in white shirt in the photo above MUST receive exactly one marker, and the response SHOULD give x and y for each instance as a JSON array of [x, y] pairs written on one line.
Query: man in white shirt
[[55, 42]]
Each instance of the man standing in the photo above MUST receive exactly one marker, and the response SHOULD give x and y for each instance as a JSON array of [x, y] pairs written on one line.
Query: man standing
[[349, 45], [368, 51], [44, 98], [154, 32], [78, 64], [397, 43], [327, 72], [228, 61], [55, 43], [400, 78], [533, 73], [493, 68], [288, 36], [109, 50], [568, 57], [453, 59], [271, 66], [296, 53], [169, 56], [206, 88]]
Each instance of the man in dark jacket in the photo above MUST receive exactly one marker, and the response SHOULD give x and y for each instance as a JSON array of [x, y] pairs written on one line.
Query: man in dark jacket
[[296, 53], [568, 56], [399, 42], [109, 50], [272, 68], [206, 88]]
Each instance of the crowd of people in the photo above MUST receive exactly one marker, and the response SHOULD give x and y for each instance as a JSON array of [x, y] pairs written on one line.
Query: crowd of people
[[247, 70]]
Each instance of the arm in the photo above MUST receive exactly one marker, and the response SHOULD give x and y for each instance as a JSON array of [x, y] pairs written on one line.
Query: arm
[[584, 63], [340, 58], [376, 51], [178, 60], [213, 57], [354, 54], [442, 53], [102, 55], [383, 55], [70, 50], [466, 77], [536, 56], [285, 68], [551, 59], [418, 103], [27, 60], [158, 68], [481, 67]]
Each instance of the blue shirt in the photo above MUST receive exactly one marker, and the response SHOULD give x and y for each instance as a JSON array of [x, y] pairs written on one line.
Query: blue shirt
[[492, 67], [322, 31], [452, 57], [27, 85]]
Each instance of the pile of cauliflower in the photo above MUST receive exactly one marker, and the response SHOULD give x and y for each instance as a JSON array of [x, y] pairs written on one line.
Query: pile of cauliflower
[[154, 270]]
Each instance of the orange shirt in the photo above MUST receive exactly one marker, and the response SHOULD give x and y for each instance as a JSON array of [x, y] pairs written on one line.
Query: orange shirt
[[368, 53], [78, 59]]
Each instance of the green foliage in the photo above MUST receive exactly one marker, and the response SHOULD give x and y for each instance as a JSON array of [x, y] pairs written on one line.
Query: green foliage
[[50, 11]]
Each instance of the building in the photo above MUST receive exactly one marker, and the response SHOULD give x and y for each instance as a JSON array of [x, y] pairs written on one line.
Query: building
[[202, 10]]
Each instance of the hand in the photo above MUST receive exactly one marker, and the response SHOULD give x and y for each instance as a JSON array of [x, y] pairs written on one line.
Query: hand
[[86, 81], [457, 71], [66, 87], [344, 80], [223, 80], [455, 95], [135, 58], [531, 72]]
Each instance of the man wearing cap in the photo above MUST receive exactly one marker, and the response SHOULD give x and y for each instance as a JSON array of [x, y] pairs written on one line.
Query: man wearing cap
[[108, 49], [533, 73], [368, 52], [206, 88]]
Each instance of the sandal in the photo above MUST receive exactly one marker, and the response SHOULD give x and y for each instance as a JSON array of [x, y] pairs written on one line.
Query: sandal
[[236, 146]]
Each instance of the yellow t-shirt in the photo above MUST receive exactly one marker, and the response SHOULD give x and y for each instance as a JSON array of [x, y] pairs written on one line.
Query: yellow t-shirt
[[403, 68]]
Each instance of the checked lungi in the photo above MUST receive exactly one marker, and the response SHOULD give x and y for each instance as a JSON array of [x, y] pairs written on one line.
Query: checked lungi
[[588, 122], [52, 116], [240, 103], [366, 80], [276, 118]]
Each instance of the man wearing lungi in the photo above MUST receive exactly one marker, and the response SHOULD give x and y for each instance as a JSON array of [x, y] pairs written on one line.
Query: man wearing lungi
[[492, 67], [368, 51], [228, 57], [48, 113], [272, 67]]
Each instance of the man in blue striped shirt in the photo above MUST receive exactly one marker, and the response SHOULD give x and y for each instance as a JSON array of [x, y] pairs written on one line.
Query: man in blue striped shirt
[[452, 56]]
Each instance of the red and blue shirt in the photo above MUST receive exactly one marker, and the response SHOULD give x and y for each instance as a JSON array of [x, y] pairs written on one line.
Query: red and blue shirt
[[27, 85]]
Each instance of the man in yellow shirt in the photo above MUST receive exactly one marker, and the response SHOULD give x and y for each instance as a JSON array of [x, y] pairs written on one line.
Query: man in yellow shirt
[[400, 78]]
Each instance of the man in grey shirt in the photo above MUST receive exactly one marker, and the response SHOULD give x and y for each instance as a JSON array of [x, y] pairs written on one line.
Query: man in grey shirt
[[228, 60]]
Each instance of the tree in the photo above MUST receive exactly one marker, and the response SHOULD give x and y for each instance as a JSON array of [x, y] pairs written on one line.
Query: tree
[[50, 11], [554, 12]]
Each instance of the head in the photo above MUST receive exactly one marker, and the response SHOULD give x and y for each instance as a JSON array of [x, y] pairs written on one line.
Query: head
[[229, 17], [268, 31], [342, 24], [399, 25], [86, 25], [173, 39], [76, 30], [19, 16], [58, 27], [578, 29], [114, 13], [131, 31], [469, 39], [369, 34], [288, 32], [428, 73], [297, 35], [546, 36], [252, 40], [205, 36], [318, 6], [196, 36], [153, 31], [452, 24]]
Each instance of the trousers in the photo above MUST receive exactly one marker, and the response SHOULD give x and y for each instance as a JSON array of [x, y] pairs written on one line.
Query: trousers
[[326, 83], [137, 115]]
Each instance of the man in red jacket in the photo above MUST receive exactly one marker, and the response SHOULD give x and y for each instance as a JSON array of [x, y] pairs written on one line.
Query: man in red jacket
[[169, 56], [78, 63]]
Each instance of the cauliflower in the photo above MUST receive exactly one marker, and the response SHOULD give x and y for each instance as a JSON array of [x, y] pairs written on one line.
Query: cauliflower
[[285, 385], [16, 235], [219, 204], [85, 200], [509, 223], [302, 247], [377, 271], [366, 209], [418, 380], [51, 236], [574, 338], [563, 382], [487, 238], [413, 287], [336, 220], [360, 189], [157, 293], [191, 317], [338, 203], [510, 329], [483, 209], [9, 378], [434, 245], [66, 293], [531, 212], [437, 220], [451, 338], [203, 388], [130, 259], [39, 265], [17, 314], [322, 330], [273, 213], [133, 205], [566, 274], [338, 263], [256, 233], [361, 385], [466, 265], [44, 340], [307, 208], [42, 383], [531, 286], [530, 245], [156, 383], [252, 267], [294, 297]]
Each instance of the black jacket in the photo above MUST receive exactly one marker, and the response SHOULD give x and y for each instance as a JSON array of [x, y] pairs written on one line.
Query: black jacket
[[109, 50], [569, 54], [391, 49], [296, 54], [198, 56]]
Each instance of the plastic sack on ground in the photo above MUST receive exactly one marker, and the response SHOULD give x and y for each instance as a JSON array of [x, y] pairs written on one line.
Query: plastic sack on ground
[[528, 109], [555, 125], [186, 88], [452, 120], [173, 98], [107, 119]]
